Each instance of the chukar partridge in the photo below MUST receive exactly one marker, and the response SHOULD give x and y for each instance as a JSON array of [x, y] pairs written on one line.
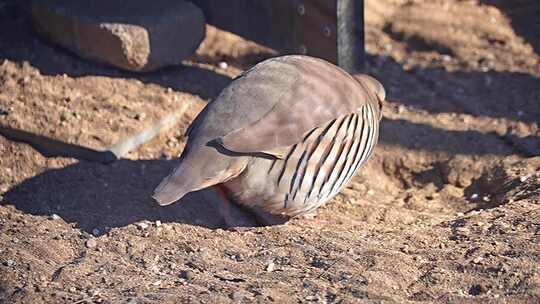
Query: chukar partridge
[[283, 138]]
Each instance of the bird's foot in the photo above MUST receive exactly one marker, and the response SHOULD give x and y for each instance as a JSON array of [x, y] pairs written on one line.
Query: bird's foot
[[235, 218]]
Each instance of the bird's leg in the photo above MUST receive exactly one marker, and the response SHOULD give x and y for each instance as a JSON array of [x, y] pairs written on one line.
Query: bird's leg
[[235, 218], [309, 216], [238, 218], [266, 219]]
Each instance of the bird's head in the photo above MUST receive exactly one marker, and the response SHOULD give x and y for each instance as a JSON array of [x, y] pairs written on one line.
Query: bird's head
[[374, 87]]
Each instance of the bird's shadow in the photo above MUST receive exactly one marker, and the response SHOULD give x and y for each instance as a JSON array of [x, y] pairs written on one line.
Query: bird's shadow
[[95, 196]]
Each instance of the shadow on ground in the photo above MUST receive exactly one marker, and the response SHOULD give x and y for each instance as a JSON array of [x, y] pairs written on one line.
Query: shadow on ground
[[92, 196], [417, 136], [490, 94], [524, 17]]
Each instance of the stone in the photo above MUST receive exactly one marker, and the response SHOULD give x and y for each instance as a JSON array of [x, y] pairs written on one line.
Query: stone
[[135, 35], [55, 217], [187, 274], [142, 225], [270, 266], [237, 296], [91, 243], [9, 263]]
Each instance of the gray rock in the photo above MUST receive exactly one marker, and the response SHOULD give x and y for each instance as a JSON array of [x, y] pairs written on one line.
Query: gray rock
[[187, 274], [91, 243], [135, 35], [9, 263], [142, 225], [55, 217]]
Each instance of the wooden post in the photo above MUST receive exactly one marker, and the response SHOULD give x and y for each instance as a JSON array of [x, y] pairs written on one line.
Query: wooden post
[[329, 29], [350, 24]]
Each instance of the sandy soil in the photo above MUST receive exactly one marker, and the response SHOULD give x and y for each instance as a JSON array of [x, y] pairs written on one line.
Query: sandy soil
[[446, 211]]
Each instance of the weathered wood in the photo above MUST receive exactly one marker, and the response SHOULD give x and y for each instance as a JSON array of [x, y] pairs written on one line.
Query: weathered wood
[[53, 147], [329, 29], [350, 24]]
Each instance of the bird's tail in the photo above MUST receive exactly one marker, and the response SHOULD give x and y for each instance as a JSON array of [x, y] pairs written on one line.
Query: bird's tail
[[174, 187], [186, 178]]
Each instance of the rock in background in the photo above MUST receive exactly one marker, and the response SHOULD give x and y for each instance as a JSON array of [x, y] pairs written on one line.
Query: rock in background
[[133, 35]]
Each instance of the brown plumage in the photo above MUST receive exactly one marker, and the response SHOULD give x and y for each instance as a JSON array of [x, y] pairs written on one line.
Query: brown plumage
[[282, 138]]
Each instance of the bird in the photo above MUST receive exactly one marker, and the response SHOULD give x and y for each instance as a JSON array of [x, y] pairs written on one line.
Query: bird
[[281, 139]]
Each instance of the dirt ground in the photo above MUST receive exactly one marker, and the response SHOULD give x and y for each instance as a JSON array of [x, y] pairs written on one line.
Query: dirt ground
[[447, 210]]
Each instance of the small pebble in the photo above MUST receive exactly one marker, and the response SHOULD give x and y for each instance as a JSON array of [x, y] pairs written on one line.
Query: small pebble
[[91, 243], [239, 257], [142, 225], [223, 65], [95, 232], [478, 260], [154, 268], [504, 225], [405, 249], [172, 143], [158, 223], [319, 263], [140, 116], [523, 178], [187, 274], [270, 267], [55, 216], [311, 298], [474, 196], [462, 230], [157, 283], [237, 296], [9, 263]]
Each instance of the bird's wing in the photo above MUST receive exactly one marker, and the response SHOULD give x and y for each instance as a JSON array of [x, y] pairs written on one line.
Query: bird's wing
[[321, 92]]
